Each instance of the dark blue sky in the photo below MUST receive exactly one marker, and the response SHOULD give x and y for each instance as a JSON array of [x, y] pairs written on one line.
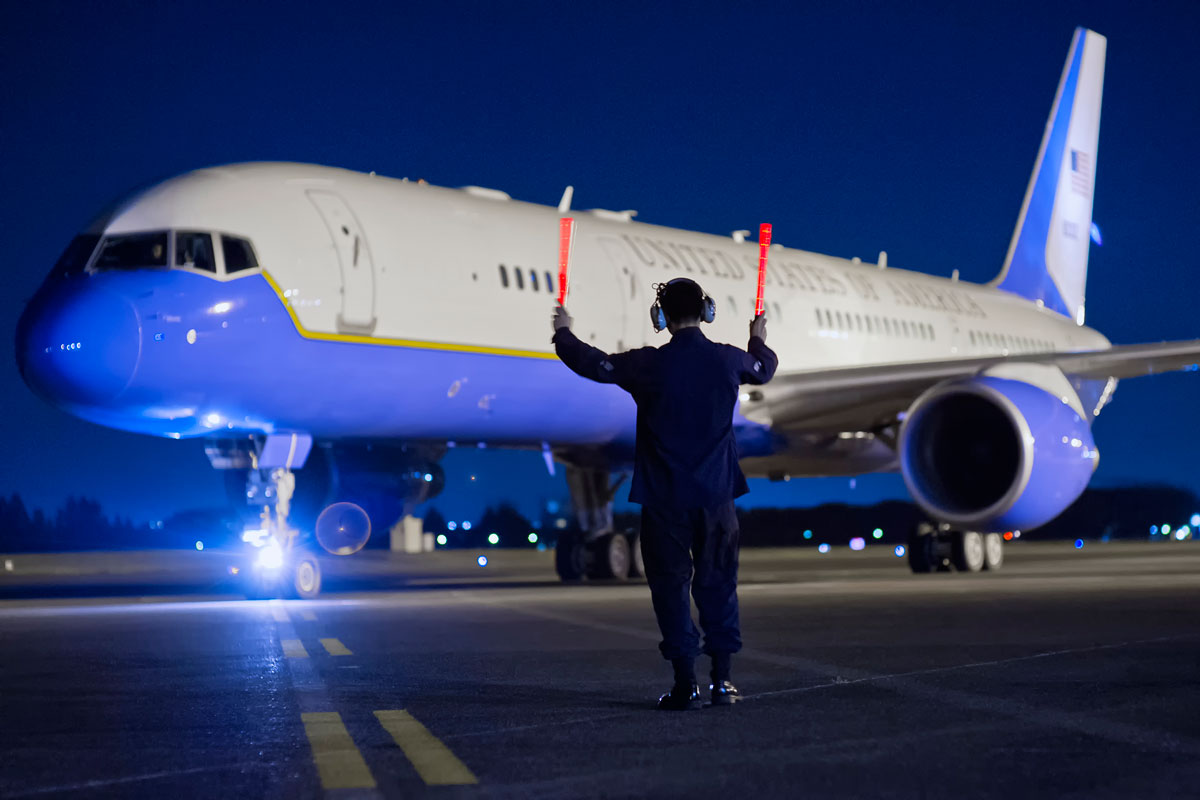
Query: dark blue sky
[[852, 129]]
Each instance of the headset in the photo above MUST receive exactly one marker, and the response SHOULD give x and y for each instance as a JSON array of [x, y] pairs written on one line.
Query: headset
[[659, 318]]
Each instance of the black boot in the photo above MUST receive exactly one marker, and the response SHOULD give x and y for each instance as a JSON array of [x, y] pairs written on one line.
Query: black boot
[[722, 691], [685, 694], [681, 698]]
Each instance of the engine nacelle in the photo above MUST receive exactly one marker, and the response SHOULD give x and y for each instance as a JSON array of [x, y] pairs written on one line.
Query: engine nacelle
[[993, 453]]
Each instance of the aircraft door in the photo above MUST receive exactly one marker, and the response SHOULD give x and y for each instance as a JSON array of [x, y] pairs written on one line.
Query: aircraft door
[[636, 328], [354, 260]]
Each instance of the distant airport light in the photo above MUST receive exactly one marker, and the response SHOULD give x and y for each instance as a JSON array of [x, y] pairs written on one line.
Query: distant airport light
[[213, 419], [1195, 520], [441, 538], [1016, 534], [533, 537], [493, 538], [1008, 535], [481, 561], [199, 545], [428, 478], [1096, 237], [1079, 544], [899, 551], [466, 526], [560, 523], [808, 534], [1153, 530], [822, 548], [858, 543], [1183, 533], [452, 526], [877, 533], [1166, 530]]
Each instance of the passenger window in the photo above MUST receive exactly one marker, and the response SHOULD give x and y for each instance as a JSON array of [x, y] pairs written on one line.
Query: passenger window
[[239, 255], [195, 251], [503, 276], [533, 280], [520, 278]]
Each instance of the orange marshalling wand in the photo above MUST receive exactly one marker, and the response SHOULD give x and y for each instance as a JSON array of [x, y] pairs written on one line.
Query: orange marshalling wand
[[566, 242], [764, 243]]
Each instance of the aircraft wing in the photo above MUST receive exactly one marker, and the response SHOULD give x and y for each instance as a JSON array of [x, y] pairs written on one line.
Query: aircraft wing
[[862, 398]]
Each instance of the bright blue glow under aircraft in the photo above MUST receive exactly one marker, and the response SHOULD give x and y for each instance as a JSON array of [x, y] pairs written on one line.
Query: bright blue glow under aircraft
[[295, 317]]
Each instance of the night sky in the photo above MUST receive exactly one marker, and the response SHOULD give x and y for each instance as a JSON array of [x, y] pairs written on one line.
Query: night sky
[[852, 130]]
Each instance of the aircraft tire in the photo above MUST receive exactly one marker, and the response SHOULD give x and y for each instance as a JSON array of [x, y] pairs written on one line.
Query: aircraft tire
[[570, 557], [612, 559], [306, 578], [966, 551], [637, 565], [993, 551], [920, 549]]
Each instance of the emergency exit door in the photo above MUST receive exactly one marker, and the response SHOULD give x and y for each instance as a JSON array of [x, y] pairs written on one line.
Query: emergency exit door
[[354, 260]]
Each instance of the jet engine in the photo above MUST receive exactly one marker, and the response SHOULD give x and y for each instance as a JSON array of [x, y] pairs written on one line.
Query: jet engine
[[994, 453]]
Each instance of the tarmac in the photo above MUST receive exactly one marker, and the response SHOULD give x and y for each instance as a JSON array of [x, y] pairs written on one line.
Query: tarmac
[[1068, 673]]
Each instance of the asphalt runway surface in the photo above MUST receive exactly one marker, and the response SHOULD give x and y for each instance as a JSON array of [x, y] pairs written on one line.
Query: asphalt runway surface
[[1066, 674]]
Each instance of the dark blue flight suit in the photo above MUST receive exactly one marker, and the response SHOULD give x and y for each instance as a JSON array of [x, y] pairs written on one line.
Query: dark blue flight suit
[[685, 475]]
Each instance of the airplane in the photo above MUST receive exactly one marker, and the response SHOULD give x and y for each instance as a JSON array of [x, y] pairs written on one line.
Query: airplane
[[341, 331]]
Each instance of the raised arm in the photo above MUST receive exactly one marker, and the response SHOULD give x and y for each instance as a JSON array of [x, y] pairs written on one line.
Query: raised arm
[[759, 361], [590, 362]]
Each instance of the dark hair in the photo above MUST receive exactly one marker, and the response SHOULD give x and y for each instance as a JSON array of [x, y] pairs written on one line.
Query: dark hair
[[683, 301]]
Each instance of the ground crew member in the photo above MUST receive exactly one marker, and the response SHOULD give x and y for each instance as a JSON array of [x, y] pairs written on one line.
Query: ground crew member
[[685, 475]]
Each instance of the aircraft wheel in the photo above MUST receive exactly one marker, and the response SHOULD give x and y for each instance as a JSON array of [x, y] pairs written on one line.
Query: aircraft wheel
[[920, 548], [637, 565], [966, 551], [993, 551], [306, 578], [570, 557], [612, 559]]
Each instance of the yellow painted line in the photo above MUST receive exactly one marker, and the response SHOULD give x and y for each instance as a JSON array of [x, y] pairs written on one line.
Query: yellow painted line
[[335, 648], [338, 761], [280, 614], [308, 616], [433, 761], [419, 344], [293, 648]]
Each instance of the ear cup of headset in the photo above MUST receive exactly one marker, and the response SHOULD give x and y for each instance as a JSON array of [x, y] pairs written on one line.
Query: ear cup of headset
[[657, 318], [710, 309]]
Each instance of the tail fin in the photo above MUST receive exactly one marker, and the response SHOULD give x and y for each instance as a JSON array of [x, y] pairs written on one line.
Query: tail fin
[[1047, 257]]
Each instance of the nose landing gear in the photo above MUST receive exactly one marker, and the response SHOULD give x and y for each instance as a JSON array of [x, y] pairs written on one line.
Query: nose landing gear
[[939, 548]]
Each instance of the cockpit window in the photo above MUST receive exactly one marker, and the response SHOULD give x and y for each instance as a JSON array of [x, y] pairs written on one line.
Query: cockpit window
[[133, 251], [239, 255], [76, 256], [194, 250]]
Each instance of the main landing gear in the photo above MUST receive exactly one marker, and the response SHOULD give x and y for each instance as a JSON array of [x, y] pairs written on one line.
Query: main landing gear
[[596, 551], [938, 548]]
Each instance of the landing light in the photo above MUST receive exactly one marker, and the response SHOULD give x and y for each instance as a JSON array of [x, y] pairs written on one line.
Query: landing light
[[271, 556], [220, 308]]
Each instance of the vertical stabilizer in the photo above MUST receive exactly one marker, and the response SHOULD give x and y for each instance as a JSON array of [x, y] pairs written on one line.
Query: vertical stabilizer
[[1047, 257]]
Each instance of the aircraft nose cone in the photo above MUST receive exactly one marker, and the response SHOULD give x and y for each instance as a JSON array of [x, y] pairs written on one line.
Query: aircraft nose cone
[[79, 345]]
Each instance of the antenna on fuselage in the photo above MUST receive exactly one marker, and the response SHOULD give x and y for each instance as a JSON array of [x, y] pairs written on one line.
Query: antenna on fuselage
[[564, 205]]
